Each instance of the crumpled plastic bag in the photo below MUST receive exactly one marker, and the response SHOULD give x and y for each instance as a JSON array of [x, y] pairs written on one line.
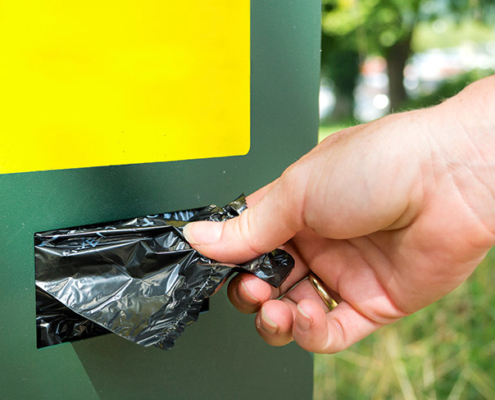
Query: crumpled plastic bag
[[137, 278]]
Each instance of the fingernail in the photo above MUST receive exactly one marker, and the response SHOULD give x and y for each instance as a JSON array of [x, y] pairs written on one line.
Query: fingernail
[[304, 321], [203, 232], [248, 293], [267, 324]]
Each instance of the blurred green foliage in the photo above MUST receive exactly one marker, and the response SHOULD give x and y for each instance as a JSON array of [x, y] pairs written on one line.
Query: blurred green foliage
[[355, 29], [375, 24], [425, 37]]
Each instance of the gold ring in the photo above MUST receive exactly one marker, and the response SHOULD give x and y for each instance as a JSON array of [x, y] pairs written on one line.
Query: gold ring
[[320, 289]]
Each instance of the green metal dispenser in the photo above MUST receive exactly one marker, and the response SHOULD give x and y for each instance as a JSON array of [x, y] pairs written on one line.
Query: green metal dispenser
[[111, 110]]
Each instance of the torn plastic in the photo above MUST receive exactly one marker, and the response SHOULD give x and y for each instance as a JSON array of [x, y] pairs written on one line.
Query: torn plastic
[[137, 278]]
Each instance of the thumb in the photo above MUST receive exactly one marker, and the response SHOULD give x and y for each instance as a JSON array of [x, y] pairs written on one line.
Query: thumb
[[272, 221]]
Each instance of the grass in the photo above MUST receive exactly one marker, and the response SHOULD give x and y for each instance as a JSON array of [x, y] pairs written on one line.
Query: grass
[[443, 352]]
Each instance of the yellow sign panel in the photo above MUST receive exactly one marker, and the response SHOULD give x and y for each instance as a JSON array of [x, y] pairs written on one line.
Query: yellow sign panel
[[110, 82]]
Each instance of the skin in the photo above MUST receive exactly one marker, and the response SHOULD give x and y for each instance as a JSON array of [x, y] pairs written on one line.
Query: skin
[[391, 215]]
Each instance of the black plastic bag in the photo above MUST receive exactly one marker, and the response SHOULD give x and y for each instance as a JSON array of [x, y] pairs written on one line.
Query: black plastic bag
[[137, 278]]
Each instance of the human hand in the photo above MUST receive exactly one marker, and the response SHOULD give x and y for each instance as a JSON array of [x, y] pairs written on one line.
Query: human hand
[[391, 215]]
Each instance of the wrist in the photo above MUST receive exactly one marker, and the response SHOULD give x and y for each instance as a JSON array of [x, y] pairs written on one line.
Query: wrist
[[466, 137], [472, 110]]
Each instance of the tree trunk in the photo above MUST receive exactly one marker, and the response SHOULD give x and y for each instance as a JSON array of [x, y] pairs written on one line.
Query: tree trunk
[[344, 106], [397, 56]]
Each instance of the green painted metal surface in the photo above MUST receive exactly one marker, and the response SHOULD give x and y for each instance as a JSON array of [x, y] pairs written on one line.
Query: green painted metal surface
[[221, 356]]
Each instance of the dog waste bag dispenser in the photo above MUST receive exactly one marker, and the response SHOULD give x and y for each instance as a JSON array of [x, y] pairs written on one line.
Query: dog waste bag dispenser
[[111, 110]]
